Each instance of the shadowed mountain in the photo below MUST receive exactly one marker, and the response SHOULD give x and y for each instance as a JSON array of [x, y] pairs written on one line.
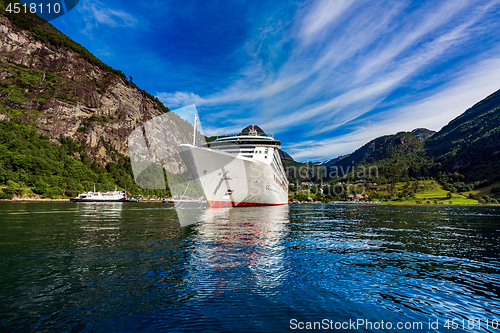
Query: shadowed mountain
[[327, 162], [470, 143], [285, 156]]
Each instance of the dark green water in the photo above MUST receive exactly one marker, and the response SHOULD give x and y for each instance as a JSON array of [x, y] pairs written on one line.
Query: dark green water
[[131, 267]]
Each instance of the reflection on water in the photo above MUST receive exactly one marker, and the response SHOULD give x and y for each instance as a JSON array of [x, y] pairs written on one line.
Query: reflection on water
[[132, 267], [239, 249], [100, 211], [97, 219]]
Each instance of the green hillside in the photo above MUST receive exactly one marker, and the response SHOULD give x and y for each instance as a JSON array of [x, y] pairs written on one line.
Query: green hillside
[[56, 169], [34, 88], [419, 192], [398, 157]]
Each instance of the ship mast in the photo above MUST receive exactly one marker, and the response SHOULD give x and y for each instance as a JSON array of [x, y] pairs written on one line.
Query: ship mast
[[194, 132]]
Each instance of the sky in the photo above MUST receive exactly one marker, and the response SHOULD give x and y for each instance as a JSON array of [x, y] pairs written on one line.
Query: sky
[[325, 77]]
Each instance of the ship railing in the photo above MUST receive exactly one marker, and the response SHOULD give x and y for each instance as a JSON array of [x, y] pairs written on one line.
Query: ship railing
[[244, 134]]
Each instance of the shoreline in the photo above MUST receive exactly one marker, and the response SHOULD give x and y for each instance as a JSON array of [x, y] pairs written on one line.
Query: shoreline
[[39, 200], [395, 204], [59, 200]]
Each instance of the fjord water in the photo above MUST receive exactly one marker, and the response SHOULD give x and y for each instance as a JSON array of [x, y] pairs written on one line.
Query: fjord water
[[132, 267]]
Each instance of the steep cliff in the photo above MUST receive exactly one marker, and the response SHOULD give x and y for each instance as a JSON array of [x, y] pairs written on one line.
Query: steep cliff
[[53, 82]]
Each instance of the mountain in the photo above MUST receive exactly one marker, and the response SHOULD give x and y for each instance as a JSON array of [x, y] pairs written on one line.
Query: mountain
[[423, 134], [470, 143], [315, 163], [285, 156], [464, 154], [65, 116], [397, 156], [79, 112], [327, 162], [53, 82]]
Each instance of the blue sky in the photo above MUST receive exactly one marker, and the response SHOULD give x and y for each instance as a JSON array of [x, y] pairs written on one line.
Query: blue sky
[[325, 77]]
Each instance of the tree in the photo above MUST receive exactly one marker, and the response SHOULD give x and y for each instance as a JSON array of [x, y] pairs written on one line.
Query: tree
[[13, 187], [40, 186]]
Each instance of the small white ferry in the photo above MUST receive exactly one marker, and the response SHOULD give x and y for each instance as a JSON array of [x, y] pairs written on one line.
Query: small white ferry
[[110, 196]]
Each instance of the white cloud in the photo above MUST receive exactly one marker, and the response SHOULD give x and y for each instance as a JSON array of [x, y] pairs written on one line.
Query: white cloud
[[409, 35], [179, 99], [432, 112], [323, 15], [348, 58], [95, 13], [213, 131]]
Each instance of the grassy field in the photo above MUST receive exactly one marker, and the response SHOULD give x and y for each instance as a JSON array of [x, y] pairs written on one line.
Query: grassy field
[[484, 191], [429, 192], [453, 201]]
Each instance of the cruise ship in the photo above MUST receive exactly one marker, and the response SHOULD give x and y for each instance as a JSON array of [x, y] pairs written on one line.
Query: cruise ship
[[241, 169]]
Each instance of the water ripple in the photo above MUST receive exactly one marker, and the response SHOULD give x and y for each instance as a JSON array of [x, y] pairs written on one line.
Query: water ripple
[[134, 268]]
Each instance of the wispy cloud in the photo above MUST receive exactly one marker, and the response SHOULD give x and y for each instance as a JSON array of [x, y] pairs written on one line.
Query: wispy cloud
[[343, 72], [321, 16], [179, 98], [96, 13], [431, 112]]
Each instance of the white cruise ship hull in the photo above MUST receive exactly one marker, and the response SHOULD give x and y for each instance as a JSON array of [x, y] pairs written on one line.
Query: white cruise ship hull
[[230, 180]]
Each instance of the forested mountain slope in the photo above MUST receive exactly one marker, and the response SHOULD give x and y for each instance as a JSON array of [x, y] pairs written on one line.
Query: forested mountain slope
[[470, 143]]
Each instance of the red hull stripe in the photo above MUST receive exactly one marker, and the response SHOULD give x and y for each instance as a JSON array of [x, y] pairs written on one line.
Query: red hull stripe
[[220, 204]]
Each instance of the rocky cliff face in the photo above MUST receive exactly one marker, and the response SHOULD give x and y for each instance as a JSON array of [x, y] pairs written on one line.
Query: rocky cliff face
[[64, 94]]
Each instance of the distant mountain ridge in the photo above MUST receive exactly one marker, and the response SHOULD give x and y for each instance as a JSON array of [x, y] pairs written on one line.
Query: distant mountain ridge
[[396, 156], [371, 148], [327, 162]]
